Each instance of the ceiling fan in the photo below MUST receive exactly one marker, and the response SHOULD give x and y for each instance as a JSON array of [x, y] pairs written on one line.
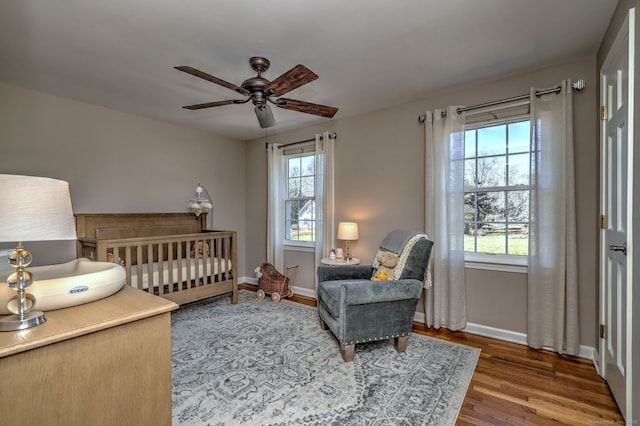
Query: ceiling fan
[[262, 91]]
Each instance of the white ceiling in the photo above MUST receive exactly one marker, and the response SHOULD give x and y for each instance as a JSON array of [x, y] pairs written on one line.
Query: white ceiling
[[369, 54]]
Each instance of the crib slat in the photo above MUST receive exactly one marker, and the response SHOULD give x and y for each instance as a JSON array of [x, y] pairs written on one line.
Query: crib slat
[[180, 277], [149, 262], [161, 282], [127, 263], [196, 261], [139, 266], [170, 265]]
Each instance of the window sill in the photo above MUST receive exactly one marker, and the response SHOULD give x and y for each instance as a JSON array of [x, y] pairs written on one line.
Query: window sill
[[302, 248], [500, 267], [501, 263]]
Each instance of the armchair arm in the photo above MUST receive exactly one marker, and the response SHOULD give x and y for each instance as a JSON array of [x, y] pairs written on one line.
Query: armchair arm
[[360, 293], [347, 272]]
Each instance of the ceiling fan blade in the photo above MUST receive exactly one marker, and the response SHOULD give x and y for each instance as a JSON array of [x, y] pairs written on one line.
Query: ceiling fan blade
[[265, 116], [307, 107], [292, 79], [209, 104], [208, 77]]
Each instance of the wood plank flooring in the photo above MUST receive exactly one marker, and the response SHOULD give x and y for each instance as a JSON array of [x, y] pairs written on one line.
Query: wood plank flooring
[[516, 385]]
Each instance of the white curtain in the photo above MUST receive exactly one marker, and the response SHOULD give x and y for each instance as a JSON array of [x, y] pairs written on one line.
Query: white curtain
[[275, 222], [325, 228], [444, 301], [552, 319]]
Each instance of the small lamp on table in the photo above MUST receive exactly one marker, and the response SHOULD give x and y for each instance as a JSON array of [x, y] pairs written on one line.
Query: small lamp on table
[[347, 231]]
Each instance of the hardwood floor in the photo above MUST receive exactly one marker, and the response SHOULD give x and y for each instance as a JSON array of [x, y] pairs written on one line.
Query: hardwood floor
[[516, 385]]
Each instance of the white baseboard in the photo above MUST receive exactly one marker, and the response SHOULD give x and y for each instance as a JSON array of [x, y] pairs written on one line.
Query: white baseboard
[[587, 352]]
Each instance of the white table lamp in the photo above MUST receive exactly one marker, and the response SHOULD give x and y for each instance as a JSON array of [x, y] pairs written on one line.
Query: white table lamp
[[347, 231], [31, 209]]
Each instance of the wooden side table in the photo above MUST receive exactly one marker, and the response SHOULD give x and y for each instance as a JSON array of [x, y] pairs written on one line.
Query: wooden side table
[[339, 262], [106, 362]]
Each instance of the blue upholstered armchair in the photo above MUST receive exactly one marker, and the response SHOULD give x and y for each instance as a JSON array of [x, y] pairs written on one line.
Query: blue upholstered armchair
[[358, 309]]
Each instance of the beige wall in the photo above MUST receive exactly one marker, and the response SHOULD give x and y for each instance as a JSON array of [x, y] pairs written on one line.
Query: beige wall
[[379, 175], [118, 163]]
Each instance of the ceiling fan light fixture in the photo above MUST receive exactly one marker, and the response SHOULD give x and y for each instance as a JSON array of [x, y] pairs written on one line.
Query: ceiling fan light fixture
[[265, 116]]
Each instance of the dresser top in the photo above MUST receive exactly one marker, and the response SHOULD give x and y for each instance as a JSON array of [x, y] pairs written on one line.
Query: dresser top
[[127, 305]]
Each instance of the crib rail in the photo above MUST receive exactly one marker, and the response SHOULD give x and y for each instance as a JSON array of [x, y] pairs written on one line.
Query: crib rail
[[182, 268]]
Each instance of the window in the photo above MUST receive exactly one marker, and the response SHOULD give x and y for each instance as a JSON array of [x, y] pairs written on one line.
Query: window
[[300, 202], [496, 191]]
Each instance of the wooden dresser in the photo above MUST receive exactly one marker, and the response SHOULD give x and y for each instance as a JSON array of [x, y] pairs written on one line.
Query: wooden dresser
[[103, 363]]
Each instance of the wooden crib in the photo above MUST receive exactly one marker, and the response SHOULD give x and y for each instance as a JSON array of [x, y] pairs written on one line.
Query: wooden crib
[[167, 254]]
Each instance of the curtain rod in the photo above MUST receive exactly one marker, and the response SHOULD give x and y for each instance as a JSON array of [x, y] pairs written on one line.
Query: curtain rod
[[578, 86], [332, 135]]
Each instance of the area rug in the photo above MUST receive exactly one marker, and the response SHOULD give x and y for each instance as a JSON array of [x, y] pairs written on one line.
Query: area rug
[[266, 363]]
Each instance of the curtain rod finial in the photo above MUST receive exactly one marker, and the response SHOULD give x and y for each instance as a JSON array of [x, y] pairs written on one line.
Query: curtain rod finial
[[579, 85]]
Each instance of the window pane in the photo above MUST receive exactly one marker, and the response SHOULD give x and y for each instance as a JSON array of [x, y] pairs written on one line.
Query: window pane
[[519, 137], [491, 238], [307, 210], [469, 174], [519, 240], [294, 190], [294, 167], [491, 206], [519, 169], [307, 165], [492, 140], [306, 230], [307, 188], [491, 171], [469, 237], [470, 206], [470, 143], [518, 206]]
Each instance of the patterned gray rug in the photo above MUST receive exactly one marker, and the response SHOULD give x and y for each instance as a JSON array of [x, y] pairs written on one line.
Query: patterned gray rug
[[265, 363]]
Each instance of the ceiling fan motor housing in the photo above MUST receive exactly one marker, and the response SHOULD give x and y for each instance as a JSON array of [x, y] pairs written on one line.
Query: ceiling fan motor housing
[[255, 86]]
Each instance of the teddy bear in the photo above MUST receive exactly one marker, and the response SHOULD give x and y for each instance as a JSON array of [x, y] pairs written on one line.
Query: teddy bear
[[203, 249], [111, 258], [387, 262]]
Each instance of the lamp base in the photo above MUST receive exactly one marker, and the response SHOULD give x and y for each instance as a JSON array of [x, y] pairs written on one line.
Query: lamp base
[[13, 322]]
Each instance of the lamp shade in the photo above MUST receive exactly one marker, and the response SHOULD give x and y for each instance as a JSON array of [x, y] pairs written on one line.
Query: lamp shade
[[35, 209], [347, 231]]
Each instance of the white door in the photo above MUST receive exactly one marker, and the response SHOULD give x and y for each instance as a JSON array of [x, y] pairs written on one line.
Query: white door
[[617, 115]]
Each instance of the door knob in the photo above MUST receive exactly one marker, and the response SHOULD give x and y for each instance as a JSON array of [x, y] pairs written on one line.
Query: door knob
[[622, 248]]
